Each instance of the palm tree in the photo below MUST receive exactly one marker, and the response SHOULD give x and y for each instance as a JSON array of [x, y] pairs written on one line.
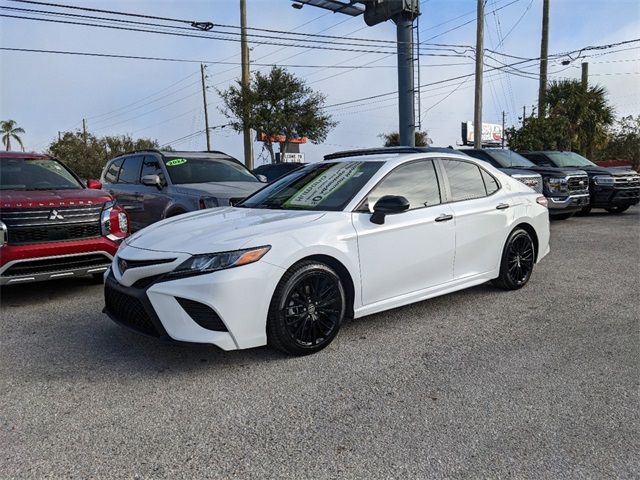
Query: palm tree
[[9, 131], [585, 113]]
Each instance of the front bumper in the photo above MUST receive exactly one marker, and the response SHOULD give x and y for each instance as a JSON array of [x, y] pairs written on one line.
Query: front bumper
[[568, 204], [605, 197], [227, 308], [50, 261]]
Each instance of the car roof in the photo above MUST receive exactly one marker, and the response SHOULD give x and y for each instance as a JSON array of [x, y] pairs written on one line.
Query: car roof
[[394, 154], [28, 155]]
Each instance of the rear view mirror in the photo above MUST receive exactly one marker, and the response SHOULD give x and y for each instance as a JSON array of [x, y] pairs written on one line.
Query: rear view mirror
[[388, 205], [94, 184], [152, 181]]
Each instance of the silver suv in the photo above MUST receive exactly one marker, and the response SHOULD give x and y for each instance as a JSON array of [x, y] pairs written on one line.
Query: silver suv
[[153, 184]]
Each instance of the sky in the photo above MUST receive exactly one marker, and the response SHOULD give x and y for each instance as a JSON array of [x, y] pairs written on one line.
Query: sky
[[47, 93]]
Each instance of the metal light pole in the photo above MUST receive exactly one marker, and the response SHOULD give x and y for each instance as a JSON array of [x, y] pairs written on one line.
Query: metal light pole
[[406, 101], [403, 13], [477, 110]]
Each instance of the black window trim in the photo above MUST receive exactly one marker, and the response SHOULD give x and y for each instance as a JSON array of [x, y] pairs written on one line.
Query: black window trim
[[360, 207], [448, 185]]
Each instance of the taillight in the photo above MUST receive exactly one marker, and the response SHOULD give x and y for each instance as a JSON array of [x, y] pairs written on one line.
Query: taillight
[[542, 201], [114, 221]]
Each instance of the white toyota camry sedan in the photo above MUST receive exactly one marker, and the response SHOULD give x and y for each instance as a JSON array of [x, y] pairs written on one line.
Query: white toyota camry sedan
[[357, 234]]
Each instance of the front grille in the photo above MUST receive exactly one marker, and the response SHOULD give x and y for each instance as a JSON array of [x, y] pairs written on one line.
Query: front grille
[[128, 310], [59, 264], [203, 315], [532, 181], [56, 233], [578, 184], [38, 225], [146, 281], [627, 181]]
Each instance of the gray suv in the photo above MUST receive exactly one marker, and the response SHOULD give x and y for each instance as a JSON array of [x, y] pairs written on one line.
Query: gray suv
[[153, 184]]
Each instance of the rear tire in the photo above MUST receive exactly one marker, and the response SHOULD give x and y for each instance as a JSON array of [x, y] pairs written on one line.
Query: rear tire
[[518, 259], [617, 210], [307, 309], [563, 216]]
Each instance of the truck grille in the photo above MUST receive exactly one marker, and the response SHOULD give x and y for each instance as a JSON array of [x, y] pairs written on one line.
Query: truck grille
[[39, 225], [531, 181], [627, 181], [578, 184]]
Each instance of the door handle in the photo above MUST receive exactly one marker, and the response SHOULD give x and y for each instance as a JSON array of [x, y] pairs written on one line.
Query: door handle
[[502, 206], [444, 217]]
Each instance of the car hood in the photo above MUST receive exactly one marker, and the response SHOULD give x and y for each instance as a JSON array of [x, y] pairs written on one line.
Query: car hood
[[615, 171], [218, 229], [219, 189], [553, 171], [52, 198]]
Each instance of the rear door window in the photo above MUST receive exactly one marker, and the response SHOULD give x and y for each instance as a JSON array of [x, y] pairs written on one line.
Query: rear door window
[[465, 180], [111, 175], [130, 171]]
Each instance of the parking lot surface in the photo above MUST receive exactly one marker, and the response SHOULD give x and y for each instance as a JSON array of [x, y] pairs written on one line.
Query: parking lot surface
[[537, 383]]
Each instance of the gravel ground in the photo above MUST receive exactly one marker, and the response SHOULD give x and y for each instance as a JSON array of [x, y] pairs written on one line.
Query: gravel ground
[[538, 383]]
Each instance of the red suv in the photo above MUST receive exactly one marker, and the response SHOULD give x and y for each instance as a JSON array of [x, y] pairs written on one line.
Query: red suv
[[51, 225]]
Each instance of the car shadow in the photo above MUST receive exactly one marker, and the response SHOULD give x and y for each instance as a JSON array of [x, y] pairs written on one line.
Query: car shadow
[[43, 292]]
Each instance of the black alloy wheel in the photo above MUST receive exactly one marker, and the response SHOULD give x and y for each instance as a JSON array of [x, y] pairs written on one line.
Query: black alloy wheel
[[518, 259], [307, 309], [618, 209]]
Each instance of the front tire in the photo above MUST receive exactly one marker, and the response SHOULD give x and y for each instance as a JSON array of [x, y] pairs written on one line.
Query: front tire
[[306, 310], [618, 209], [518, 258]]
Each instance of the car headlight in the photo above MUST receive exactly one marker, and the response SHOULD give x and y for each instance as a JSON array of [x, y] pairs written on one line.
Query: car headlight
[[212, 262], [555, 185], [207, 202], [603, 180]]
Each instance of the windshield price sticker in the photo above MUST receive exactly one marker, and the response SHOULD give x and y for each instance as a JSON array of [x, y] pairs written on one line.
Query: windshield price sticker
[[175, 162], [324, 185]]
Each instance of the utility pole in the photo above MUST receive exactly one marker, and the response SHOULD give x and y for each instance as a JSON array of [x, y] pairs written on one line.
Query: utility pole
[[84, 131], [59, 136], [544, 54], [477, 110], [524, 114], [406, 102], [206, 113], [503, 129], [244, 53], [585, 75]]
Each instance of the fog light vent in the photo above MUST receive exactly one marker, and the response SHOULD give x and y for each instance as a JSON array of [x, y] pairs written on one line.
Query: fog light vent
[[202, 314]]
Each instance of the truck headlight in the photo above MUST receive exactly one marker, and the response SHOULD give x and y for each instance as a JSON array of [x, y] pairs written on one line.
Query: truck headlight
[[556, 185], [212, 262], [603, 180]]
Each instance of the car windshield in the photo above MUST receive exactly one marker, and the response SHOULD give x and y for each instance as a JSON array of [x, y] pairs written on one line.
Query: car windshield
[[202, 170], [324, 186], [35, 174], [509, 159], [569, 159]]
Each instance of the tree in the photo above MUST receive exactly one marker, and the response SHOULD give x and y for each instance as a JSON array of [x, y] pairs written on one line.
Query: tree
[[88, 160], [9, 131], [577, 120], [392, 139], [277, 104], [624, 142]]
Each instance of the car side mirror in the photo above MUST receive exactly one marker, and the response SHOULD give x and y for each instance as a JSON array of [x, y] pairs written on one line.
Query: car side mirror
[[388, 205], [262, 178], [94, 184], [152, 181]]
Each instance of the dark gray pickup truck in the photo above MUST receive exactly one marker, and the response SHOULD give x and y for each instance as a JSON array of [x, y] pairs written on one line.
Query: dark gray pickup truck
[[152, 184]]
